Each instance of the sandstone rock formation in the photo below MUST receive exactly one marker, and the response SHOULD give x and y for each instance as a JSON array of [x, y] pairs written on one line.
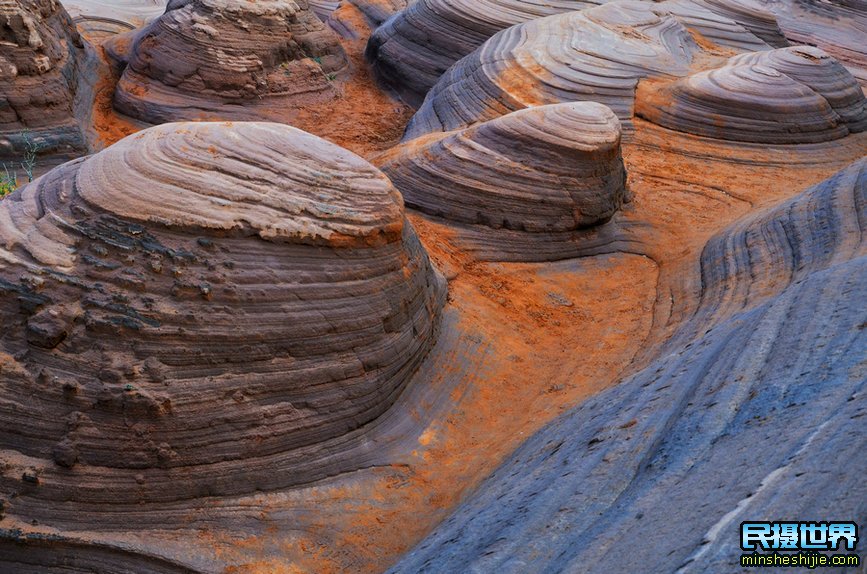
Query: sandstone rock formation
[[226, 59], [543, 169], [598, 54], [838, 28], [724, 22], [40, 56], [411, 52], [323, 8], [200, 310], [129, 11], [99, 20], [752, 407], [791, 95], [357, 18]]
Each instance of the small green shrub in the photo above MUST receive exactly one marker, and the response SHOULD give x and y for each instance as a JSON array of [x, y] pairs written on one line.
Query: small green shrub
[[9, 179]]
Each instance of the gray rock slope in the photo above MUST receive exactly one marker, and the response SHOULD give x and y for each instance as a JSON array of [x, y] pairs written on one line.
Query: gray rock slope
[[755, 410]]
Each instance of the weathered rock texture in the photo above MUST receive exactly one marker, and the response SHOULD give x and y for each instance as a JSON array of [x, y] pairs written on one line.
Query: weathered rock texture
[[47, 554], [99, 20], [357, 19], [377, 11], [791, 95], [724, 23], [599, 54], [323, 8], [40, 57], [753, 408], [224, 59], [839, 28], [200, 310], [550, 168], [412, 51]]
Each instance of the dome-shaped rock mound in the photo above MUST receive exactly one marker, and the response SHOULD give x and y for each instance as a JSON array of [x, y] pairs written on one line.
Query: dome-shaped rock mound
[[598, 54], [40, 56], [792, 95], [410, 52], [202, 309], [226, 59], [543, 169]]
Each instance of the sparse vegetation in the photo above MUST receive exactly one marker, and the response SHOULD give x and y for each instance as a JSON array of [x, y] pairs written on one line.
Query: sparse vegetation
[[9, 176], [8, 181]]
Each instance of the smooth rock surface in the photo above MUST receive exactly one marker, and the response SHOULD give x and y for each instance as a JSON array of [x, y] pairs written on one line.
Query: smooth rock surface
[[548, 168], [41, 54], [201, 310], [357, 19], [413, 50], [838, 28], [598, 55], [753, 408], [786, 96], [224, 58]]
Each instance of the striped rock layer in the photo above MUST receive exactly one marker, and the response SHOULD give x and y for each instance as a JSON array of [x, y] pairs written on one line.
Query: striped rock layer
[[223, 58], [40, 59], [838, 28], [599, 54], [200, 310], [359, 18], [543, 169], [790, 95], [754, 406], [412, 51]]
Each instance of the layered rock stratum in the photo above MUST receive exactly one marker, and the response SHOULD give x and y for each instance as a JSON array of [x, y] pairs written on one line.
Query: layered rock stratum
[[748, 411], [226, 59], [838, 28], [548, 168], [200, 310], [41, 55], [225, 347], [785, 96], [413, 50], [599, 54]]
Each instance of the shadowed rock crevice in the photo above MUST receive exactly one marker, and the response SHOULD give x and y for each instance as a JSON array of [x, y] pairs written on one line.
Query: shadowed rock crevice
[[56, 554]]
